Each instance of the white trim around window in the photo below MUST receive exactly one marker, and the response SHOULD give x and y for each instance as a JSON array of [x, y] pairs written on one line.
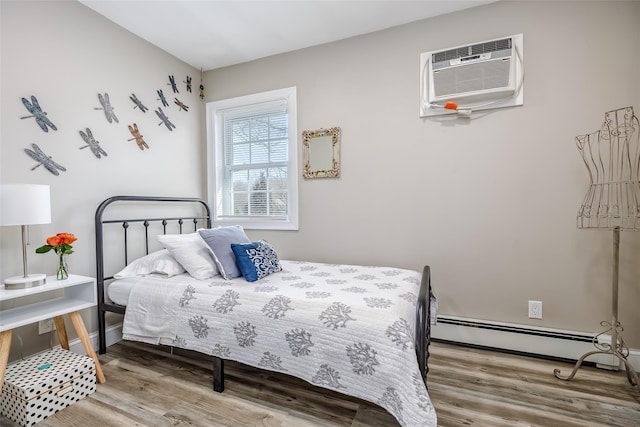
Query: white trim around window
[[252, 160]]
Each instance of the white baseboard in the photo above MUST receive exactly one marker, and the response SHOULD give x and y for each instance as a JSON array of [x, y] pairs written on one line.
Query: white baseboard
[[114, 334], [520, 338], [526, 339], [634, 359]]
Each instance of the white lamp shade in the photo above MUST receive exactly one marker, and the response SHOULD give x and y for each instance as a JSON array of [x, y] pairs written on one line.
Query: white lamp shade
[[25, 204]]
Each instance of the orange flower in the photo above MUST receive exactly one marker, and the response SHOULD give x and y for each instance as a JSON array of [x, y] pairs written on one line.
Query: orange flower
[[67, 238], [54, 240], [60, 244]]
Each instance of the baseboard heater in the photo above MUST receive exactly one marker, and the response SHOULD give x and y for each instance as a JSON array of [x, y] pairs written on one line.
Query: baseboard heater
[[520, 339], [517, 339]]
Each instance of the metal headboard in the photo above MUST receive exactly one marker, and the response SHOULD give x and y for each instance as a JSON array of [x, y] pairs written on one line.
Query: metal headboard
[[200, 220]]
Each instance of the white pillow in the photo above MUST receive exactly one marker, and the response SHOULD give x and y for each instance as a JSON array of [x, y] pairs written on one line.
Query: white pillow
[[157, 262], [190, 251]]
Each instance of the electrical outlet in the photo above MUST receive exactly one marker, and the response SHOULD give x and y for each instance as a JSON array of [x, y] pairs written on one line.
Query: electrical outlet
[[46, 326], [535, 309]]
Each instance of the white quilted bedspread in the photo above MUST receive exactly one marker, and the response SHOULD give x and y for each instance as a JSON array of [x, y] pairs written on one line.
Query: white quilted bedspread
[[341, 327]]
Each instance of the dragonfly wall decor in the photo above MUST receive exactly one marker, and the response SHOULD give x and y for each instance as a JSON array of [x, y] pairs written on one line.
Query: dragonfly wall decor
[[108, 109], [172, 82], [137, 103], [180, 105], [43, 160], [164, 119], [162, 98], [188, 82], [36, 111], [92, 143], [137, 136]]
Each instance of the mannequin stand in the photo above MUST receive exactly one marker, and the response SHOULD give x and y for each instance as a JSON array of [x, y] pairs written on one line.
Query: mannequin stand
[[617, 346]]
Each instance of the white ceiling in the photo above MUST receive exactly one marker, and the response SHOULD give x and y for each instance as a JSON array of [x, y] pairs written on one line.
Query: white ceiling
[[211, 34]]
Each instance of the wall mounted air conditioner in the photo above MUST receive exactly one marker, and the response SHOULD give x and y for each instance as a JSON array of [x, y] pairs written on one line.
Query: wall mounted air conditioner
[[478, 76]]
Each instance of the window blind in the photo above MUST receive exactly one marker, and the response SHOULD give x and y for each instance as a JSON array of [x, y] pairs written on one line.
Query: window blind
[[256, 155]]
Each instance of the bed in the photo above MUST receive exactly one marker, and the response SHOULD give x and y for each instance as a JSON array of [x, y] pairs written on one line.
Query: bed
[[358, 330]]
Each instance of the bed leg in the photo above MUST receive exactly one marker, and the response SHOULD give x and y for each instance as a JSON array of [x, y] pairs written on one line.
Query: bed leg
[[102, 334], [218, 374]]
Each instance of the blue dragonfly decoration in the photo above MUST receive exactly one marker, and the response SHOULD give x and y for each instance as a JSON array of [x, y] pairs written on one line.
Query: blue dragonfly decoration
[[108, 109], [162, 98], [36, 111], [92, 144], [172, 82], [164, 119], [43, 160], [137, 103]]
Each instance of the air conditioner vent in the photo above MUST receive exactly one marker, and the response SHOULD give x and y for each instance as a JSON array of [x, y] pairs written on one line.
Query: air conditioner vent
[[475, 49], [448, 55], [477, 76], [492, 46]]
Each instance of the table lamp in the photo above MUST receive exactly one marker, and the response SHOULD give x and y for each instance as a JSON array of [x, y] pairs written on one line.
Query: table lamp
[[24, 205]]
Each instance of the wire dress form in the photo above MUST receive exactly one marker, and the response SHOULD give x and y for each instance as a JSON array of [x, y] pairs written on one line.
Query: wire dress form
[[612, 157]]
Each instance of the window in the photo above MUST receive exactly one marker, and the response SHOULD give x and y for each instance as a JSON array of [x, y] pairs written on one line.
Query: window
[[252, 160]]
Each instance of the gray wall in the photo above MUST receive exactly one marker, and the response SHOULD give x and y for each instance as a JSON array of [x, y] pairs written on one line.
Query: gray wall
[[65, 54], [489, 203]]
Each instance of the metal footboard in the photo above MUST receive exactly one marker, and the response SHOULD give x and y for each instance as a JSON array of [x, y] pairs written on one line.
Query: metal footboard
[[423, 322]]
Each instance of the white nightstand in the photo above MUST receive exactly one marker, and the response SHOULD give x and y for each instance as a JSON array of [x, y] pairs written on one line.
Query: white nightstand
[[60, 297]]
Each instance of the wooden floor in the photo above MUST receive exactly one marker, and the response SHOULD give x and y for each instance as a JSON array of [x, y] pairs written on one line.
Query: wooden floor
[[147, 387]]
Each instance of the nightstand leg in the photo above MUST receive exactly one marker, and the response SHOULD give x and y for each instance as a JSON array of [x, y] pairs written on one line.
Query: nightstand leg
[[62, 332], [5, 347], [81, 330]]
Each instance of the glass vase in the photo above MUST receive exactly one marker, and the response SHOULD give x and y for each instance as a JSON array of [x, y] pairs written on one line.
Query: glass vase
[[63, 269]]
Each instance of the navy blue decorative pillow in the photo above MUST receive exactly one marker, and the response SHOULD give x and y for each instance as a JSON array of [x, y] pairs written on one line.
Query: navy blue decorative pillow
[[256, 260]]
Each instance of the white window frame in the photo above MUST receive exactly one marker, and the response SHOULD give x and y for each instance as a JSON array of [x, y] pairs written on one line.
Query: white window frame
[[216, 166]]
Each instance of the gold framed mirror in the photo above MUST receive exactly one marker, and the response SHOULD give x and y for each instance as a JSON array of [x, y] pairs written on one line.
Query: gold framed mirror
[[321, 151]]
